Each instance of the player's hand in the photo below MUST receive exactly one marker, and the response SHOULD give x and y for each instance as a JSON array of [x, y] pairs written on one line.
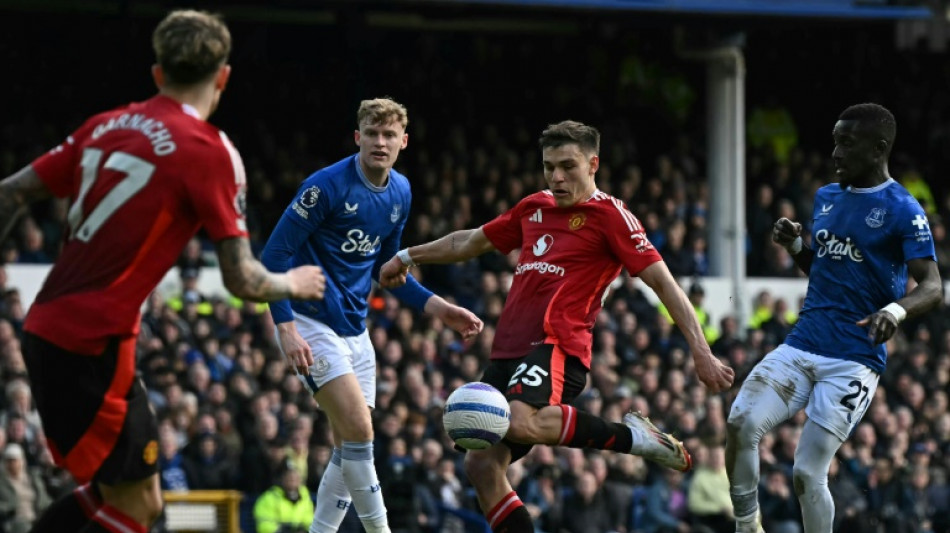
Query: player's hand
[[881, 326], [294, 347], [458, 318], [393, 273], [306, 282], [784, 232], [716, 375]]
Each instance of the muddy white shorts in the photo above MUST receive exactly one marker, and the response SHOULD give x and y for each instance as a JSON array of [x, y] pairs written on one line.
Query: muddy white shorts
[[834, 392]]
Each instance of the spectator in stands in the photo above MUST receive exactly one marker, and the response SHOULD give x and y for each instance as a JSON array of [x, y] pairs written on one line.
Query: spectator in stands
[[851, 506], [779, 506], [666, 505], [586, 511], [708, 496], [772, 130], [171, 462], [890, 499], [285, 507], [23, 495], [210, 468], [33, 249]]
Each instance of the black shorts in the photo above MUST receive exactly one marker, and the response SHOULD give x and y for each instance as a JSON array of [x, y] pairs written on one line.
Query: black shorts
[[95, 412], [546, 376]]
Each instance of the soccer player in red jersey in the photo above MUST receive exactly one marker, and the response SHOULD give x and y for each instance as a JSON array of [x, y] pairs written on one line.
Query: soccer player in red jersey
[[574, 240], [142, 179]]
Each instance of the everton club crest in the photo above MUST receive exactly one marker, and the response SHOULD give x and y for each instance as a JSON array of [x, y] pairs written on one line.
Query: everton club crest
[[875, 218]]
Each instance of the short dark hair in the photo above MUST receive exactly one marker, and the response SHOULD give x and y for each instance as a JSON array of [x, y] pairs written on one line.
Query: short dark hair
[[875, 115], [571, 132], [191, 45]]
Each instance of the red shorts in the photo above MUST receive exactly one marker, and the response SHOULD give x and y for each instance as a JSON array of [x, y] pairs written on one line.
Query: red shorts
[[95, 412]]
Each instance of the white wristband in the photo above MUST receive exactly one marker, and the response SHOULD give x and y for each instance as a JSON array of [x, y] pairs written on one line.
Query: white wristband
[[796, 246], [406, 259], [896, 310]]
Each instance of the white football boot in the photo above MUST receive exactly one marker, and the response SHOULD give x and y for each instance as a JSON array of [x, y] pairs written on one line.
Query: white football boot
[[661, 448]]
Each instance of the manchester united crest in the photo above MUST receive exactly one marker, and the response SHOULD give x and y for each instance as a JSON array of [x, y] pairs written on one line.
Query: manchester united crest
[[150, 453], [577, 221]]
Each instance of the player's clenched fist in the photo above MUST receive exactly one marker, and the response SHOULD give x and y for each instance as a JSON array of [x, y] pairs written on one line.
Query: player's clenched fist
[[393, 273], [307, 282], [716, 375], [785, 232]]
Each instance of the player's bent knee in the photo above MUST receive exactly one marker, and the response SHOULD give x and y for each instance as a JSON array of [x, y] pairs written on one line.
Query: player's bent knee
[[804, 479], [743, 428]]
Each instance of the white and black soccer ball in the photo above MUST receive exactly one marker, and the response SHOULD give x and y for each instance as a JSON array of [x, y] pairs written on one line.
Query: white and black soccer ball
[[476, 416]]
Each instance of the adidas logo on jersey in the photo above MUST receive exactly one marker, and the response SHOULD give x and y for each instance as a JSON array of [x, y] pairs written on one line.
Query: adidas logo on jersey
[[536, 217]]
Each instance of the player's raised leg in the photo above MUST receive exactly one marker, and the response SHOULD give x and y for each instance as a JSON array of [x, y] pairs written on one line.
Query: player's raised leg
[[540, 391]]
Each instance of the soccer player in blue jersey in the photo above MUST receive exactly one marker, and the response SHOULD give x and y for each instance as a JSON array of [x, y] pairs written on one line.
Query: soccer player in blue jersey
[[868, 233], [348, 219]]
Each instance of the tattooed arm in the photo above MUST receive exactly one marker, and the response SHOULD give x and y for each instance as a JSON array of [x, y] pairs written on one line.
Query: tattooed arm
[[247, 278], [17, 192]]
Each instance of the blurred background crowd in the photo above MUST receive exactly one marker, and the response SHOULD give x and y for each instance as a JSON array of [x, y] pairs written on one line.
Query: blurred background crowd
[[232, 416]]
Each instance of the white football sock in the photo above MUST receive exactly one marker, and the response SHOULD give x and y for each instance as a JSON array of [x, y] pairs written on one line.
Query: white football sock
[[333, 498], [359, 474]]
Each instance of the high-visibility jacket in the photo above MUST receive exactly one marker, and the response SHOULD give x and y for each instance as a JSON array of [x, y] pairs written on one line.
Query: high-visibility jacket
[[273, 510]]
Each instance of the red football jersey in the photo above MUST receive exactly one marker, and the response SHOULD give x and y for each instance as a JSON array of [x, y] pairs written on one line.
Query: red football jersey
[[142, 179], [569, 256]]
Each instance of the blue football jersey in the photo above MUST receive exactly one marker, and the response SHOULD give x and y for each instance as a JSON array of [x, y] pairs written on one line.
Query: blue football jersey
[[862, 240], [344, 224]]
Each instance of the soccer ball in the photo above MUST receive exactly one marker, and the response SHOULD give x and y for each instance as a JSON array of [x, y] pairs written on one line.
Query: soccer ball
[[476, 416]]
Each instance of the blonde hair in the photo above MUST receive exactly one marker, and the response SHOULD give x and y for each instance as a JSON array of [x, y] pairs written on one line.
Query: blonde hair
[[191, 46], [382, 111]]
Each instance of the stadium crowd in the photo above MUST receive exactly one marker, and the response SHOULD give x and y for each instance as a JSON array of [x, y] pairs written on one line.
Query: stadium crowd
[[233, 416]]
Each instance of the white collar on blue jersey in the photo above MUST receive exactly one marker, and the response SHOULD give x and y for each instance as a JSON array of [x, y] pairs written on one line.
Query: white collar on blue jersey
[[866, 190], [369, 184]]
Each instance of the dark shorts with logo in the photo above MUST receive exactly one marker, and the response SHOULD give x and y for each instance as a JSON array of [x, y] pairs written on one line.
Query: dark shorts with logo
[[546, 376], [95, 411]]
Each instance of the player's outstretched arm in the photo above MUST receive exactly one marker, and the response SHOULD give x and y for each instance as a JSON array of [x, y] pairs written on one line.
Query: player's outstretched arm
[[247, 278], [883, 323], [711, 371], [455, 247], [17, 192]]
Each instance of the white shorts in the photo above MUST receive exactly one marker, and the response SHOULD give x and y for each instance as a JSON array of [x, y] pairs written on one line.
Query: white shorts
[[335, 356], [834, 392]]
